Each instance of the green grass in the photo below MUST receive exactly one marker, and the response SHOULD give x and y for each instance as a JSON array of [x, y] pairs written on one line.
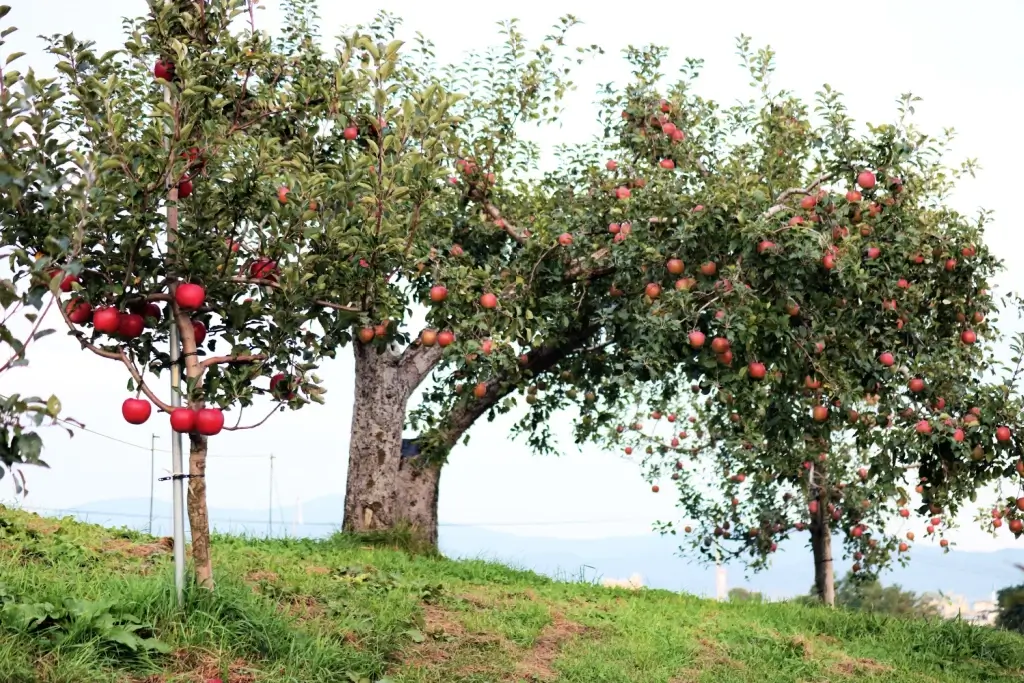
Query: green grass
[[84, 604]]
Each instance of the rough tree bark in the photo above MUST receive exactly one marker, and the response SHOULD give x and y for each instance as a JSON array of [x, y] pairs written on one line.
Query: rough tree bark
[[198, 515], [195, 504], [374, 496], [419, 486], [419, 483]]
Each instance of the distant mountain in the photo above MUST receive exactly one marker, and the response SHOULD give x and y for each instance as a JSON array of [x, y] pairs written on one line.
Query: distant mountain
[[971, 574]]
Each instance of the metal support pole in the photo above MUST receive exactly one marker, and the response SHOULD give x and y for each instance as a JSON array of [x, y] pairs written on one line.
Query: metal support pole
[[177, 466], [152, 480], [270, 501]]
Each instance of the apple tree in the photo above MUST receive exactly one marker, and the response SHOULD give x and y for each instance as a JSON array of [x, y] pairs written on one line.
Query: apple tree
[[226, 197], [833, 334], [747, 246], [29, 150]]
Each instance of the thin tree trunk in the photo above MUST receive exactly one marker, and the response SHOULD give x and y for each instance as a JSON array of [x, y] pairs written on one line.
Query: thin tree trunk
[[378, 417], [198, 515], [821, 540]]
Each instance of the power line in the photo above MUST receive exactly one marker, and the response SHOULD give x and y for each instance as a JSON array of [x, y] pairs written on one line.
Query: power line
[[83, 428], [338, 524]]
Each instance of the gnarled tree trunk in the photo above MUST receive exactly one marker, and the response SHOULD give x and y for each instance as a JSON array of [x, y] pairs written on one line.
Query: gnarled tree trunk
[[375, 448], [418, 488], [198, 515], [419, 483]]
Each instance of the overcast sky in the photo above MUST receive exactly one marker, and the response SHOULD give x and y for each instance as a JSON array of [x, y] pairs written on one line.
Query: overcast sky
[[965, 60]]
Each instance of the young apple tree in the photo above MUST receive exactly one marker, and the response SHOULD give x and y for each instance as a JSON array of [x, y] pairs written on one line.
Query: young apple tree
[[229, 199]]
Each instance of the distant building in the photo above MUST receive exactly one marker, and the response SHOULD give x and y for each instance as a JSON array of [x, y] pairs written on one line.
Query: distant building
[[634, 582], [953, 606]]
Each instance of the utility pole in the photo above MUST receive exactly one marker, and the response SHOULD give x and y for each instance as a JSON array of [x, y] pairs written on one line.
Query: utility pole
[[152, 480], [270, 501], [177, 475]]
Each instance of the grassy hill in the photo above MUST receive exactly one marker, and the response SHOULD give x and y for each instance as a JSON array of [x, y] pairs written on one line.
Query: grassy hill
[[84, 604]]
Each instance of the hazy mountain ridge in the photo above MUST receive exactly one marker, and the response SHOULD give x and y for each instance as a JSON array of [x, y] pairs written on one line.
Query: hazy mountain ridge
[[972, 574]]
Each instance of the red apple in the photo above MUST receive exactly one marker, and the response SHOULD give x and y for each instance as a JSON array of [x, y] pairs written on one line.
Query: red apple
[[488, 300], [106, 320], [622, 192], [828, 261], [428, 337], [136, 410], [719, 344], [923, 427], [163, 69], [950, 264], [366, 334], [652, 290], [282, 194], [667, 164], [1002, 434], [808, 202], [130, 325], [209, 421], [189, 296], [819, 413], [696, 339], [183, 420], [916, 385], [904, 512], [198, 331], [709, 268], [565, 239], [853, 196], [611, 165], [281, 387], [958, 435], [438, 293], [184, 187], [674, 266], [968, 337], [445, 338], [764, 245], [263, 269], [866, 179], [756, 370], [79, 311], [873, 252], [67, 282], [350, 133]]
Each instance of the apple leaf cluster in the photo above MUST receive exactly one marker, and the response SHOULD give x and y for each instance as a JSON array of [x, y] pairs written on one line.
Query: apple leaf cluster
[[29, 148]]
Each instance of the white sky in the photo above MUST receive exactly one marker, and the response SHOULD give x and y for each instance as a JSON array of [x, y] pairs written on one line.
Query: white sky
[[966, 61]]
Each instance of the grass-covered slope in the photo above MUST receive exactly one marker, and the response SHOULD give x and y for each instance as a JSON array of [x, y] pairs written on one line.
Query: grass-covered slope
[[84, 604]]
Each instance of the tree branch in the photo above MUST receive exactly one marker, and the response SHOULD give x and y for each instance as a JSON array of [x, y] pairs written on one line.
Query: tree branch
[[116, 355], [241, 358], [418, 360], [539, 360], [578, 269], [786, 194], [236, 428], [499, 220], [270, 283]]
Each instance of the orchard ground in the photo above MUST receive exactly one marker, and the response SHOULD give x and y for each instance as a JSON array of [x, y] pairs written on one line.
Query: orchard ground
[[93, 605]]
